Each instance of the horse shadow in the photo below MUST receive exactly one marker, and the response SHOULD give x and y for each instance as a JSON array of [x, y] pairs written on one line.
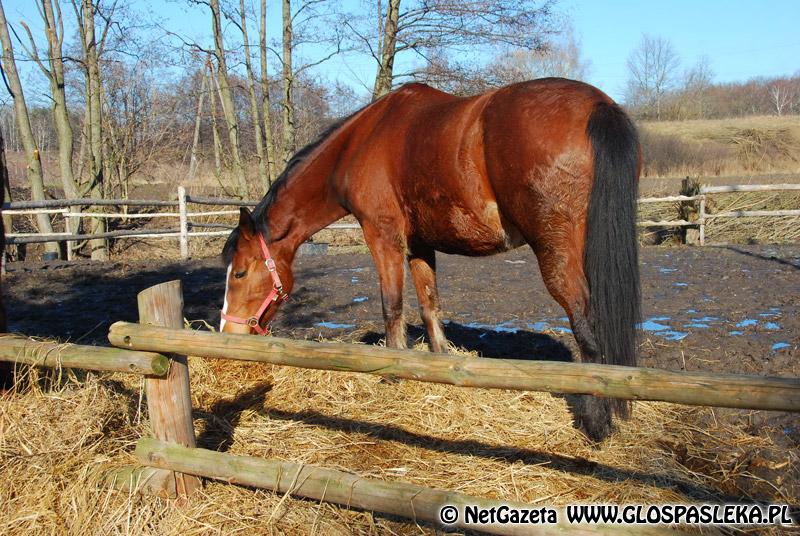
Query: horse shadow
[[492, 344]]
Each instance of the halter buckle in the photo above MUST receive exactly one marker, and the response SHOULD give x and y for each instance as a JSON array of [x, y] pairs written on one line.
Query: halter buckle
[[252, 321]]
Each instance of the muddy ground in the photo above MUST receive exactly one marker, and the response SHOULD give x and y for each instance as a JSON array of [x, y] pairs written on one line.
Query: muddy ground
[[724, 309]]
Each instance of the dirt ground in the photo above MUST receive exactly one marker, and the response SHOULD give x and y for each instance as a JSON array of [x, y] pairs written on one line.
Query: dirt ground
[[712, 308]]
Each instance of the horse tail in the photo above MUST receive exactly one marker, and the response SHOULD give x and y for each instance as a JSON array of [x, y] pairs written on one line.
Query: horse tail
[[610, 260]]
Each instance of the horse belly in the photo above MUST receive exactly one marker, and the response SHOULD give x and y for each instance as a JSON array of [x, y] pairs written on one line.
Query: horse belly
[[471, 231]]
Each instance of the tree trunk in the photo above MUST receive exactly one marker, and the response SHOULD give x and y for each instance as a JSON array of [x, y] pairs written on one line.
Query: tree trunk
[[197, 122], [251, 86], [6, 368], [33, 169], [266, 111], [385, 76], [54, 29], [99, 247], [288, 82], [212, 98], [227, 100]]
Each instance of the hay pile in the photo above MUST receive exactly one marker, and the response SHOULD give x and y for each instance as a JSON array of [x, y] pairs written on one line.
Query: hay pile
[[59, 435]]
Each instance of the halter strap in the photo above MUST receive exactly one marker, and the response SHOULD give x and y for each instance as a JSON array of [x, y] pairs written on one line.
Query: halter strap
[[274, 295]]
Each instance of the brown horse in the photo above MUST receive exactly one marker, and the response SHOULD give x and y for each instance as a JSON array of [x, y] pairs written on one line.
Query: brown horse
[[552, 163]]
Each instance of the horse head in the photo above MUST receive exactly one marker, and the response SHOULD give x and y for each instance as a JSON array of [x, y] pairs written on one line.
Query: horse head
[[259, 278]]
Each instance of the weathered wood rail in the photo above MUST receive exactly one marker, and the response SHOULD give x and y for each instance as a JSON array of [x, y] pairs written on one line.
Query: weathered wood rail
[[318, 483], [27, 351], [631, 383]]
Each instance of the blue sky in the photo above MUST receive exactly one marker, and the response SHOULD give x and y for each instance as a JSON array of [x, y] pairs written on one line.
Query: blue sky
[[742, 39]]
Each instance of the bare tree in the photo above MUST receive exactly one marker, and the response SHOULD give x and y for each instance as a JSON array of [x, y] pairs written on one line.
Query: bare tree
[[696, 84], [213, 96], [33, 168], [198, 120], [263, 173], [560, 57], [54, 72], [309, 22], [422, 26], [138, 120], [266, 108], [93, 120], [651, 74], [226, 95], [783, 95], [288, 81], [387, 49]]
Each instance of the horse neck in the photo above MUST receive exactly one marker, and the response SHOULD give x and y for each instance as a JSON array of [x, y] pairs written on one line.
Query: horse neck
[[306, 203]]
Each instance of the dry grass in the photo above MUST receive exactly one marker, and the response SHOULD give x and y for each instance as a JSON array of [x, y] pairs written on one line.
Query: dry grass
[[700, 129], [59, 439], [715, 147]]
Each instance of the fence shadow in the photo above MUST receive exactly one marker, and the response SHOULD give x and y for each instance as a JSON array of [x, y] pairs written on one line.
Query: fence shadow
[[758, 255], [223, 416], [574, 465]]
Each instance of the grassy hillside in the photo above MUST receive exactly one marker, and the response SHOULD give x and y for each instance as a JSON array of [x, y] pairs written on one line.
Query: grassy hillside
[[715, 147]]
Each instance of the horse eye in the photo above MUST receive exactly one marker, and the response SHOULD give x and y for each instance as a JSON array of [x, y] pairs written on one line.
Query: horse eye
[[239, 275]]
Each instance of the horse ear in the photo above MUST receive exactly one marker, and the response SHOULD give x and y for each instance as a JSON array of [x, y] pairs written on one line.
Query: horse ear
[[247, 226]]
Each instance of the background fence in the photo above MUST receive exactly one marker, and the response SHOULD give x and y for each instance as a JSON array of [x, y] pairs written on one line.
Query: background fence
[[188, 227]]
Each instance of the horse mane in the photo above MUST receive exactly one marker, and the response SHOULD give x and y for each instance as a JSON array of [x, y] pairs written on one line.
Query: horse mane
[[259, 213]]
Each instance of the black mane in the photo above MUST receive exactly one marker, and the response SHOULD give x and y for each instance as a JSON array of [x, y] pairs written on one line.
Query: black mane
[[260, 211]]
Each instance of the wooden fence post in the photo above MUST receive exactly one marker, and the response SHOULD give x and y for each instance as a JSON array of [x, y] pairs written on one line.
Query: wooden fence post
[[68, 230], [184, 222], [169, 399], [702, 220], [689, 188]]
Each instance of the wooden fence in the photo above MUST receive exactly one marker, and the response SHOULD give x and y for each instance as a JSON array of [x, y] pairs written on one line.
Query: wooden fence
[[185, 230], [188, 229], [703, 216], [171, 464]]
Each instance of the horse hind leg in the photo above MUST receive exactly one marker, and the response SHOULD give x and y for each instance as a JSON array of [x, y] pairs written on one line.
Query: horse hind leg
[[561, 265], [422, 261]]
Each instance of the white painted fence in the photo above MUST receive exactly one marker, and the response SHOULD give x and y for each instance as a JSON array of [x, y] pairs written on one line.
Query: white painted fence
[[186, 227]]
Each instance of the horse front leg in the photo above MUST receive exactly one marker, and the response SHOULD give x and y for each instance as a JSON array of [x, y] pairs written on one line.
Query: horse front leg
[[422, 261], [388, 250]]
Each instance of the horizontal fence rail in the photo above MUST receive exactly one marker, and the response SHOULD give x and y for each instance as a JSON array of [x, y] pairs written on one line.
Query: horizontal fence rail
[[631, 383], [747, 188], [187, 229], [353, 491], [27, 351]]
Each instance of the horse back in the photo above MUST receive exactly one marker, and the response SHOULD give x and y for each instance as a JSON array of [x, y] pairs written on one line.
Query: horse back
[[454, 172]]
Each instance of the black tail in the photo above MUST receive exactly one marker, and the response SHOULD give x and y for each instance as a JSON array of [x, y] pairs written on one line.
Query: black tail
[[611, 259]]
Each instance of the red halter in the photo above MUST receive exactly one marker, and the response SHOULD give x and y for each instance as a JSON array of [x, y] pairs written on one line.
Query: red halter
[[274, 295]]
